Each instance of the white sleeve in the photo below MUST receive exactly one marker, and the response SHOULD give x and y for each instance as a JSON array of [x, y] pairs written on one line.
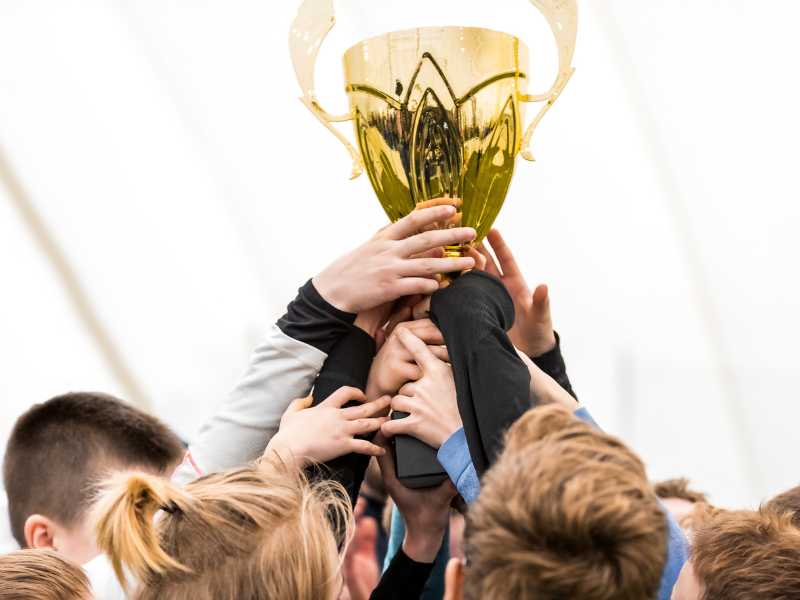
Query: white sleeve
[[280, 370]]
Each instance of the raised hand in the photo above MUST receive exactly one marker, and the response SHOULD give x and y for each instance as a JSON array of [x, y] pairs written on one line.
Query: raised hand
[[430, 400], [394, 364], [396, 262], [328, 430], [533, 327]]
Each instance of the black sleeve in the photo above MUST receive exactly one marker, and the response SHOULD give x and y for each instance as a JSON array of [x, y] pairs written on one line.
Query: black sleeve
[[313, 320], [552, 363], [404, 579], [492, 383], [347, 364]]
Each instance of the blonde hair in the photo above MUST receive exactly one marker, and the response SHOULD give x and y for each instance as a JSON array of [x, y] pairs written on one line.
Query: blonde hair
[[255, 532], [565, 512], [41, 575]]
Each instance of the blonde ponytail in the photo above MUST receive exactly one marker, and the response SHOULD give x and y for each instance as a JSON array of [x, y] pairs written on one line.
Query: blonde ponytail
[[126, 531]]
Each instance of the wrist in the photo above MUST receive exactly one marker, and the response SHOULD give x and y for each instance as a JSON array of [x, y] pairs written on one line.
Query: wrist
[[281, 450], [423, 545], [541, 345], [368, 324], [331, 293]]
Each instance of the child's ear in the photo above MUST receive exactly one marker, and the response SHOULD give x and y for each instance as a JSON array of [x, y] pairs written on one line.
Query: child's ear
[[39, 532], [454, 580]]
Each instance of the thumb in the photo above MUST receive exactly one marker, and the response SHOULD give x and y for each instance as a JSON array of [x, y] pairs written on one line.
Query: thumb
[[541, 301]]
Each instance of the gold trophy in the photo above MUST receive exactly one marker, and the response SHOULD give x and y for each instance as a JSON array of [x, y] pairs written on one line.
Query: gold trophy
[[438, 112]]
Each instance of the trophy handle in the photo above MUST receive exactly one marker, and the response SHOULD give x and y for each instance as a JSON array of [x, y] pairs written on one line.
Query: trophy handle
[[315, 18], [562, 15]]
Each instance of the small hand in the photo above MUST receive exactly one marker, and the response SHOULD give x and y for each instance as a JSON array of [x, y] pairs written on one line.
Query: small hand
[[327, 431], [430, 400], [426, 511], [395, 262], [533, 328], [394, 364]]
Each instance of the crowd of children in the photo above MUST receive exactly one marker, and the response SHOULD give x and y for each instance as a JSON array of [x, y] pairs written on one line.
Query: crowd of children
[[278, 495]]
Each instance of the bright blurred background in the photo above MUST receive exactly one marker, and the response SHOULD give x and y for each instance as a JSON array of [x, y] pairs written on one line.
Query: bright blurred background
[[188, 193]]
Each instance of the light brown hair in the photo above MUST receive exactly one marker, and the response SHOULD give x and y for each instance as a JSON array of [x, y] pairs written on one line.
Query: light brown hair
[[59, 448], [255, 532], [679, 488], [41, 575], [787, 502], [566, 512], [747, 554]]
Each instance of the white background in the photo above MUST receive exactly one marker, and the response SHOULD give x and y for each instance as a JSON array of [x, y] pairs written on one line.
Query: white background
[[164, 146]]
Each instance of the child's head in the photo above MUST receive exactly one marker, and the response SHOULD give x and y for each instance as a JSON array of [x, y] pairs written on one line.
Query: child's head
[[565, 512], [41, 575], [59, 449], [743, 554], [253, 532], [787, 502]]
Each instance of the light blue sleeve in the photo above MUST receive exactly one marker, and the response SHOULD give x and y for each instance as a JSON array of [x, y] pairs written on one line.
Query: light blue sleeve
[[455, 459]]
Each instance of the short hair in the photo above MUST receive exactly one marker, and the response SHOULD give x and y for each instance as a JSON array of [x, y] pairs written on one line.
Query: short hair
[[59, 448], [262, 531], [565, 512], [41, 575], [747, 554], [787, 502], [679, 488]]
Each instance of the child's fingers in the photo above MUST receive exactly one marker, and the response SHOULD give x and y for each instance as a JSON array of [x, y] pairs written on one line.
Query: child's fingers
[[504, 255], [360, 426], [368, 409], [418, 349], [490, 266], [342, 396], [404, 404], [395, 427], [440, 352], [365, 447]]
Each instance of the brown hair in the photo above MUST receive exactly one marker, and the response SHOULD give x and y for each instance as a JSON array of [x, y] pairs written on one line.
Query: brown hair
[[566, 512], [787, 502], [679, 488], [41, 575], [254, 532], [747, 554], [59, 448]]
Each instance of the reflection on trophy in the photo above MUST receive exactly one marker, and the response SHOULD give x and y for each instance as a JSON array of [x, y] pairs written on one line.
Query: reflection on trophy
[[438, 112]]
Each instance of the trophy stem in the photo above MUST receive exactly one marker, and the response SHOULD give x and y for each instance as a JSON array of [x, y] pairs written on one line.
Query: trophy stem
[[454, 251]]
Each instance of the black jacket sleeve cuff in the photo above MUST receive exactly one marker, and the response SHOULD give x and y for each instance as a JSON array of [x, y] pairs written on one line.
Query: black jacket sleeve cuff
[[313, 320], [404, 579], [347, 364], [552, 363]]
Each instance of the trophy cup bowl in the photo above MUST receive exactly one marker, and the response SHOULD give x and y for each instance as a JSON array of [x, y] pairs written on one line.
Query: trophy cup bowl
[[438, 112], [437, 118]]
